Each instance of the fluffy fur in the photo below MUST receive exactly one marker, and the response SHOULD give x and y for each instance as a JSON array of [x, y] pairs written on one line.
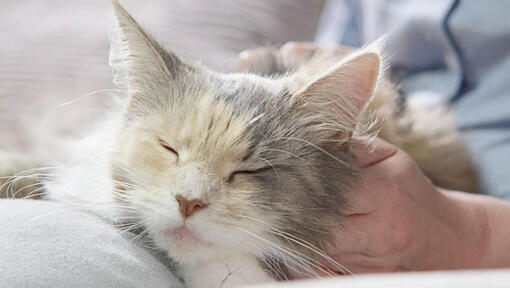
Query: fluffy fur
[[270, 156]]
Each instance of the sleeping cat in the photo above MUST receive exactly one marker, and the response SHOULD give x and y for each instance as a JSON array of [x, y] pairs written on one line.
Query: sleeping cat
[[241, 177]]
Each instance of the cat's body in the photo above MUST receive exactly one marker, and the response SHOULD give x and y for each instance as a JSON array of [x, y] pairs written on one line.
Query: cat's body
[[238, 177]]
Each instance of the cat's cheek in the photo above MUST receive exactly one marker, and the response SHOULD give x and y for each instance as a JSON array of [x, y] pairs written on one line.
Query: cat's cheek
[[145, 156]]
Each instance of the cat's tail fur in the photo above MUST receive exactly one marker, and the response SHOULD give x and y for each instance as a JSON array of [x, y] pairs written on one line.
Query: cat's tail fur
[[430, 137]]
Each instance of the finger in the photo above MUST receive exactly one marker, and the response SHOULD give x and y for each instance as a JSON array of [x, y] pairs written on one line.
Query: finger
[[294, 54], [357, 247], [308, 49], [384, 169], [373, 189], [338, 50], [373, 153], [261, 60], [371, 194], [351, 237]]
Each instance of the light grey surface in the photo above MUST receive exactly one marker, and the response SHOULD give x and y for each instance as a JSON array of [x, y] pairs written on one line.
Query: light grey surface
[[45, 245], [442, 279]]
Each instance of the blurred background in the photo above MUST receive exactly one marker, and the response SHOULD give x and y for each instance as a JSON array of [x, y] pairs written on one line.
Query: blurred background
[[55, 78], [53, 52]]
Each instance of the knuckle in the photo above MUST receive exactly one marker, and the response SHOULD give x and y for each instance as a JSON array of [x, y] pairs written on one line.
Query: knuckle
[[256, 59], [245, 54], [252, 53], [296, 49], [291, 47]]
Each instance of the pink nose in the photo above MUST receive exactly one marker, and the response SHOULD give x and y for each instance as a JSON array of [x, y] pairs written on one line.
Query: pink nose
[[189, 207]]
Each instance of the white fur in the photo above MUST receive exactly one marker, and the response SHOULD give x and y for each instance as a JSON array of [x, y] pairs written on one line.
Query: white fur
[[83, 179], [228, 272]]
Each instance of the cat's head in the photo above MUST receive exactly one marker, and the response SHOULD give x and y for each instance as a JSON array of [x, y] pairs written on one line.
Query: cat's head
[[214, 163]]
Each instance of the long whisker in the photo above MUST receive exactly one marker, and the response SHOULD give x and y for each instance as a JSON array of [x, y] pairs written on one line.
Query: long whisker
[[298, 256], [300, 242], [311, 145], [87, 95]]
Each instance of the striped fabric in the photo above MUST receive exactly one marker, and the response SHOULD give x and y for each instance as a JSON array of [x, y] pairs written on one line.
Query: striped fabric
[[53, 52]]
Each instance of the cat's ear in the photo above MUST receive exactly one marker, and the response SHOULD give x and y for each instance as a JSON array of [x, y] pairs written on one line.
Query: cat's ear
[[139, 63], [340, 96]]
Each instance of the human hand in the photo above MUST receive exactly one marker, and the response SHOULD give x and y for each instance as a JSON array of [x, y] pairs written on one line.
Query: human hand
[[399, 221], [268, 60]]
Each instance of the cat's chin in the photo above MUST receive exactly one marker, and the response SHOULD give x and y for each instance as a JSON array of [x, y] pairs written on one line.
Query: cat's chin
[[186, 246]]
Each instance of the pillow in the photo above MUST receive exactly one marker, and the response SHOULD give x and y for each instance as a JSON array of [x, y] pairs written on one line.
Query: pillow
[[46, 245]]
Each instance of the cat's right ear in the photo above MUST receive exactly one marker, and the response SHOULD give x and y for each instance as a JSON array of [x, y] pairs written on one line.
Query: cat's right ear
[[336, 100], [139, 63]]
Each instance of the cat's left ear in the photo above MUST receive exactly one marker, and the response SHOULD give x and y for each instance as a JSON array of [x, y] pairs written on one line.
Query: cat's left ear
[[139, 63], [338, 98]]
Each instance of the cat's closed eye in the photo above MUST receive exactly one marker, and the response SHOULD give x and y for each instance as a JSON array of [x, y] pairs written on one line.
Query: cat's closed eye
[[168, 147], [241, 172]]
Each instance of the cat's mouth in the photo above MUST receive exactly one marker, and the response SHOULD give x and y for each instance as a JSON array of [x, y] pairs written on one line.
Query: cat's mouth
[[182, 234]]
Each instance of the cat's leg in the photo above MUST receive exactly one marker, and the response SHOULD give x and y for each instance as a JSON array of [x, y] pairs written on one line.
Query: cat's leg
[[234, 271]]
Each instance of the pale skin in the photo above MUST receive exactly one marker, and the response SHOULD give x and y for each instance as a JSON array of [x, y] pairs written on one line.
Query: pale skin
[[398, 220]]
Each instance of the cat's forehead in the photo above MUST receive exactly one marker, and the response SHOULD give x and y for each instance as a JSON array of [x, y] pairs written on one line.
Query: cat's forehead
[[214, 123], [247, 90], [218, 118]]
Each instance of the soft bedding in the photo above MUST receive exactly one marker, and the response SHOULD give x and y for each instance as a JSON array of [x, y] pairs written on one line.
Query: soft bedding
[[43, 244]]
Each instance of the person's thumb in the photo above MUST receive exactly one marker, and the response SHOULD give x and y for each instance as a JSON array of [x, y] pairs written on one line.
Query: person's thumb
[[373, 153]]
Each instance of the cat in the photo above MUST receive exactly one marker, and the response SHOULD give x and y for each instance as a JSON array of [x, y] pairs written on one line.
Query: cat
[[241, 177]]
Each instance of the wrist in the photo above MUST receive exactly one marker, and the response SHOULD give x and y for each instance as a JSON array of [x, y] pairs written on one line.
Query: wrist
[[455, 236], [483, 229], [471, 226], [459, 237], [497, 213]]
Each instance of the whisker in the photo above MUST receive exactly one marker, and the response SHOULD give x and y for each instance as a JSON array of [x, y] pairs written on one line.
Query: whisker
[[87, 95], [302, 243], [298, 257]]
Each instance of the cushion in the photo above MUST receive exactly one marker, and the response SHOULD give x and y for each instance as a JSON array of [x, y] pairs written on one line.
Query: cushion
[[44, 244]]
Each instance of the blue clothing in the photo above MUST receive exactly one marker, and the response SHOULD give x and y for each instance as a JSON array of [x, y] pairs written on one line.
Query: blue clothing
[[455, 51]]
